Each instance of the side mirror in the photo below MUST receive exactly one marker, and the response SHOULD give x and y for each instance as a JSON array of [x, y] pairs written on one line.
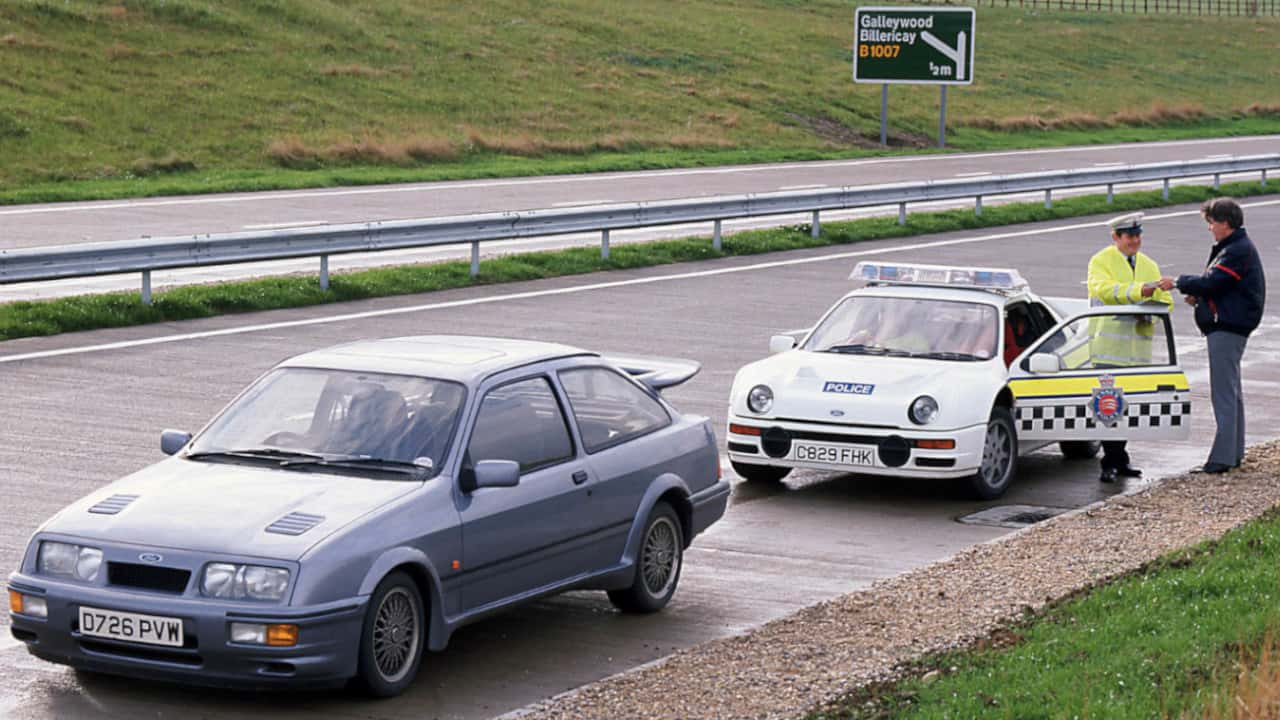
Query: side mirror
[[1044, 364], [497, 473], [171, 441], [781, 343]]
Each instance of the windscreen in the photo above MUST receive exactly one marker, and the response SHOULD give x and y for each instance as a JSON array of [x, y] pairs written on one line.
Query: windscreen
[[913, 327], [339, 413]]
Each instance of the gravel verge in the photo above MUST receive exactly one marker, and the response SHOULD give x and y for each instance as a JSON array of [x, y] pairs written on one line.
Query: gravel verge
[[799, 663]]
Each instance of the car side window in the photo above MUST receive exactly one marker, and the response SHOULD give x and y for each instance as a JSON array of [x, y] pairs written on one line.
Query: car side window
[[609, 408], [521, 421], [1111, 341]]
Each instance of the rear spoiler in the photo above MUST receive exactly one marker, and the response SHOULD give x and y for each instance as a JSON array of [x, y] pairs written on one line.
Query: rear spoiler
[[655, 372]]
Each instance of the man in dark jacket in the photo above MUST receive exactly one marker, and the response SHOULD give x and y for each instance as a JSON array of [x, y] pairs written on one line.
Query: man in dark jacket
[[1229, 298]]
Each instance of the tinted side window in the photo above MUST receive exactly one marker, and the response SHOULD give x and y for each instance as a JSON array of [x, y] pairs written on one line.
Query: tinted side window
[[609, 408], [521, 421]]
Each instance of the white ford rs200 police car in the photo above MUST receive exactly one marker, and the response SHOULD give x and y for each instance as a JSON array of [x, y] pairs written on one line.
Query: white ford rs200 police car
[[949, 372]]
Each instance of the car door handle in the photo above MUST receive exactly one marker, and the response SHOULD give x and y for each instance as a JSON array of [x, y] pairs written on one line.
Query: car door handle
[[579, 477]]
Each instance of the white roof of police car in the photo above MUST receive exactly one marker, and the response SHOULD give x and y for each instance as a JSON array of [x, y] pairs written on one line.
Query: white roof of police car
[[464, 358], [930, 292]]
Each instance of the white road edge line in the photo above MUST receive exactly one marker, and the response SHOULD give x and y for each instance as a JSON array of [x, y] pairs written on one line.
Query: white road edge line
[[8, 642], [567, 290], [973, 174], [435, 187], [801, 187], [296, 223]]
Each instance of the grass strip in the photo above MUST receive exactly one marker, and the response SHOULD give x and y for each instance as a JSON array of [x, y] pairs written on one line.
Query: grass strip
[[1163, 642], [91, 312], [485, 165]]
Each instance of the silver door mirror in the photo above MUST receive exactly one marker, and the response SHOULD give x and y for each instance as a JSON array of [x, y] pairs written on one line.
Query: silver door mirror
[[497, 473], [1044, 364], [781, 343], [171, 441]]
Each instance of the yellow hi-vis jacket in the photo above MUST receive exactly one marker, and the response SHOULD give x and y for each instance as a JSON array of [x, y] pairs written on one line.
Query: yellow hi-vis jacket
[[1122, 341]]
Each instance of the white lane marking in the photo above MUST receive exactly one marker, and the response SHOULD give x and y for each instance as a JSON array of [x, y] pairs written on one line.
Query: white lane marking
[[973, 174], [1216, 157], [298, 223], [9, 641], [1110, 164], [578, 203], [801, 187], [570, 290], [434, 187]]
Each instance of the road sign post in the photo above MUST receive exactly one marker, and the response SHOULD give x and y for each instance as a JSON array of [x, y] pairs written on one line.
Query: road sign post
[[913, 46]]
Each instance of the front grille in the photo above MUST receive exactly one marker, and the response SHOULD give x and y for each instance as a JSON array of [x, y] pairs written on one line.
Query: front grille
[[743, 448], [935, 462], [142, 652], [148, 577]]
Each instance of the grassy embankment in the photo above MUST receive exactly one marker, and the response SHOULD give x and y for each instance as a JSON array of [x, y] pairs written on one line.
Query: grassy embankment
[[87, 312], [144, 97], [1196, 634]]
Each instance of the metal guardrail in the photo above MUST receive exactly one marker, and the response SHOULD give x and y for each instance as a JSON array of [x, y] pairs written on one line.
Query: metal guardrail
[[147, 255]]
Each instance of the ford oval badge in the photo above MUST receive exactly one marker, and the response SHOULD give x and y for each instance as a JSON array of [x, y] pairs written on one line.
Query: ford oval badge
[[150, 557], [837, 413]]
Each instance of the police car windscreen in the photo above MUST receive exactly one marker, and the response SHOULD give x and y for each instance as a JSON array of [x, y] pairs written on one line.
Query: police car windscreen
[[941, 329]]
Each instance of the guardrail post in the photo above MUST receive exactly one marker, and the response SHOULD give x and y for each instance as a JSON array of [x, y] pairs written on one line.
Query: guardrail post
[[902, 213], [1217, 181], [604, 244], [146, 287], [324, 272], [977, 205], [1048, 199], [715, 239], [815, 227], [1110, 193], [1264, 177], [475, 258], [1165, 194]]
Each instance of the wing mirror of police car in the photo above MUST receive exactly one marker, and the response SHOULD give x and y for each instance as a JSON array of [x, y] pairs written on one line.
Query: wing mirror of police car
[[781, 343], [171, 441], [1044, 364]]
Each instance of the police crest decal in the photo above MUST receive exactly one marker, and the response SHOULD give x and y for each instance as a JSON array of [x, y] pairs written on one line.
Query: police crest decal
[[1107, 402]]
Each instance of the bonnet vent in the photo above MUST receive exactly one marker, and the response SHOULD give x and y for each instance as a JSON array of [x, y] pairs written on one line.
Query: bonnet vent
[[295, 523], [113, 504]]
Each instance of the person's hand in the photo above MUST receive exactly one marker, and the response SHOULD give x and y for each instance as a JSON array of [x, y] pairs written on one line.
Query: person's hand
[[1189, 299], [1166, 283], [1148, 289]]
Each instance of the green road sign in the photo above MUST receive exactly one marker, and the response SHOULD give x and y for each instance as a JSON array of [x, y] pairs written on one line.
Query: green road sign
[[913, 45]]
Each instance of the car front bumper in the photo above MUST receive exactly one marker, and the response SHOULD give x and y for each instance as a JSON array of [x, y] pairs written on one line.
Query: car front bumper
[[857, 449], [325, 654]]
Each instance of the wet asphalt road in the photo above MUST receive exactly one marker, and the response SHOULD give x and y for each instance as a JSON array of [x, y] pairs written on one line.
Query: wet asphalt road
[[76, 420]]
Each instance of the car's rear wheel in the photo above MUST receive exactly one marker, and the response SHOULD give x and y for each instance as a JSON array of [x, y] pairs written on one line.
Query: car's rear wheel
[[999, 457], [759, 473], [657, 564], [392, 640], [1080, 449]]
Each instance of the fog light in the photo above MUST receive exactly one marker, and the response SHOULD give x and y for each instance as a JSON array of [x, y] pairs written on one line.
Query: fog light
[[282, 635], [251, 633], [35, 606]]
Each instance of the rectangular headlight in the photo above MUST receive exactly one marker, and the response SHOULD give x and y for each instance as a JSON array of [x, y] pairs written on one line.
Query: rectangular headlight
[[77, 562], [230, 581]]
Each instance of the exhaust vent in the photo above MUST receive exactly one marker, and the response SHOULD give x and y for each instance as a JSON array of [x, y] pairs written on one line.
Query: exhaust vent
[[295, 523], [113, 504]]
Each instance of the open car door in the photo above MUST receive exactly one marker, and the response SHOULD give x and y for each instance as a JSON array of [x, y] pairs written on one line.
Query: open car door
[[1109, 373]]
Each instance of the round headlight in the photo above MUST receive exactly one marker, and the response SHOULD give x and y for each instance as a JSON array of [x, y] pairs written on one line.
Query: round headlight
[[923, 410], [760, 399]]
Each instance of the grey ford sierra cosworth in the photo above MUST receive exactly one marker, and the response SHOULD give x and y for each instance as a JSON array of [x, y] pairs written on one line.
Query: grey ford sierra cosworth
[[356, 505]]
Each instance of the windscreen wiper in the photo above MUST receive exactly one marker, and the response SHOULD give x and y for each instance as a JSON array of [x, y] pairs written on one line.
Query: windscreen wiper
[[256, 453], [401, 466], [944, 355], [858, 349]]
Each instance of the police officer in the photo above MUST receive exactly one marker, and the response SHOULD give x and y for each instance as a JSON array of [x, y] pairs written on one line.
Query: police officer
[[1121, 275], [1229, 298]]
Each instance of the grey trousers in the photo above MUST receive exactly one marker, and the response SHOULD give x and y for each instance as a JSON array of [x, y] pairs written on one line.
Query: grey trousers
[[1225, 351]]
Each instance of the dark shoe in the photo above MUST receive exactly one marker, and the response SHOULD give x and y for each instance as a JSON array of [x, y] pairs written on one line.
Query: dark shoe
[[1108, 475], [1215, 468], [1128, 471]]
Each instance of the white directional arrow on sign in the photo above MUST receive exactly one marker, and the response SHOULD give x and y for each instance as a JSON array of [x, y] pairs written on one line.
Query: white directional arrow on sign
[[955, 54]]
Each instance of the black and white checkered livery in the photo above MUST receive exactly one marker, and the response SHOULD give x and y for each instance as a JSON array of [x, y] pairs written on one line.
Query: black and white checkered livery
[[1071, 417]]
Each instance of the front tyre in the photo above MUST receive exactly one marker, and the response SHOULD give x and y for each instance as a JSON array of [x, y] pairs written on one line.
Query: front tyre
[[657, 564], [392, 640], [999, 457], [759, 473]]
